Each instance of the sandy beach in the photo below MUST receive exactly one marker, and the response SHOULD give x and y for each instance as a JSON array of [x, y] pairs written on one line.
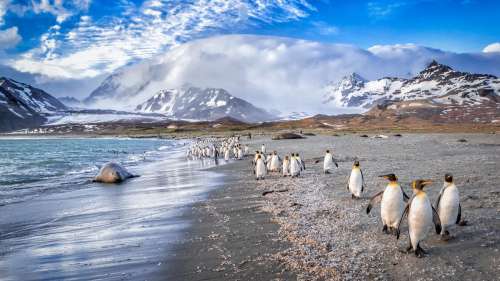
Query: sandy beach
[[313, 230]]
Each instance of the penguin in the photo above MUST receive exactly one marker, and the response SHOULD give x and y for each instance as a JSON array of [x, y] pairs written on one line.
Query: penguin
[[421, 217], [448, 206], [226, 154], [356, 181], [268, 161], [328, 162], [302, 164], [392, 205], [294, 166], [240, 153], [286, 166], [260, 168], [275, 162], [263, 149]]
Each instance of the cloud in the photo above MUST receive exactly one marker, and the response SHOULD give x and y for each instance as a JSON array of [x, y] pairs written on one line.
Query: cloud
[[280, 73], [492, 48], [92, 48], [9, 38], [3, 10], [324, 28], [61, 9], [381, 9]]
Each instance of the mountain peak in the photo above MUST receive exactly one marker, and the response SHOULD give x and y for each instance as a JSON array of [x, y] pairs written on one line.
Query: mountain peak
[[354, 77]]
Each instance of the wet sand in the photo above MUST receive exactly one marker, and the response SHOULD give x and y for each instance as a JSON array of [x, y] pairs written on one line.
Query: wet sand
[[315, 231]]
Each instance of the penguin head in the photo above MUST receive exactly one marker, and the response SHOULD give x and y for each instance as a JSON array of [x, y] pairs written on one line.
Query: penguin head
[[327, 151], [356, 163], [448, 178], [286, 157], [420, 184], [391, 177], [275, 152], [259, 157]]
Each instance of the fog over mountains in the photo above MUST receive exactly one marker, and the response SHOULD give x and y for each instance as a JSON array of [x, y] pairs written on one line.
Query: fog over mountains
[[273, 72]]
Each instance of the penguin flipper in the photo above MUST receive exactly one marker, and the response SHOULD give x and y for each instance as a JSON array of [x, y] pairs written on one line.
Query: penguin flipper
[[405, 196], [436, 220], [348, 179], [362, 181], [405, 212], [438, 200], [459, 216], [376, 198]]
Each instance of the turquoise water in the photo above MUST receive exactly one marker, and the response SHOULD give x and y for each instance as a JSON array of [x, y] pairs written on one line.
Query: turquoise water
[[32, 167], [55, 224]]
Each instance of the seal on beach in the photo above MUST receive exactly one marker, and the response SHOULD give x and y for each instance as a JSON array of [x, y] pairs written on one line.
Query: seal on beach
[[356, 181], [448, 206], [392, 205], [112, 173], [421, 217]]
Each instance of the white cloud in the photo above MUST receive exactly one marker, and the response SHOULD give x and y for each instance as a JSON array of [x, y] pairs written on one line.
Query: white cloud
[[92, 48], [282, 73], [3, 10], [9, 38], [324, 28], [492, 48], [380, 10]]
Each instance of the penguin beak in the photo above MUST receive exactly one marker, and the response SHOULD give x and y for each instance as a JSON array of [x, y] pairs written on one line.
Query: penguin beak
[[426, 182], [384, 176]]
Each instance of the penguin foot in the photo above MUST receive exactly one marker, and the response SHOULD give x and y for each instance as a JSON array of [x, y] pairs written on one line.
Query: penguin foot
[[384, 230], [409, 249], [419, 252], [446, 236]]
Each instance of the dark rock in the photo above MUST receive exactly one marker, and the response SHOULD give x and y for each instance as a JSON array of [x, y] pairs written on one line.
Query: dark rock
[[287, 136], [363, 136], [462, 140]]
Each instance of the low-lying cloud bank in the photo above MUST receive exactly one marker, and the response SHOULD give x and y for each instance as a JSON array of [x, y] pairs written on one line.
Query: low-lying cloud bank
[[283, 73]]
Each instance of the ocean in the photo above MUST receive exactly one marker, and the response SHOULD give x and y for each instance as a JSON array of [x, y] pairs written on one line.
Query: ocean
[[56, 224]]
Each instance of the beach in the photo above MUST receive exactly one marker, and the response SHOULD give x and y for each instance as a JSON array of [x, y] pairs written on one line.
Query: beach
[[191, 220], [311, 229]]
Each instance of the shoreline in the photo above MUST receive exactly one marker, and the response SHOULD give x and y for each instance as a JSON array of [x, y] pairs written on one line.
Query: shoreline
[[315, 231], [229, 238]]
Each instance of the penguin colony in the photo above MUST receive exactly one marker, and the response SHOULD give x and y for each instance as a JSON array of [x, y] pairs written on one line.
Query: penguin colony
[[395, 204]]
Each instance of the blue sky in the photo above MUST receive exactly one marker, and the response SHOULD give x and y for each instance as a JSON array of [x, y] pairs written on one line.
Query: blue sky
[[88, 39]]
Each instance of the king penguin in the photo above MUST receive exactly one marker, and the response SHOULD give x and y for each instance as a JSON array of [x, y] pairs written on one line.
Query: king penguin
[[448, 206], [328, 162], [421, 217], [392, 205], [260, 168], [356, 181]]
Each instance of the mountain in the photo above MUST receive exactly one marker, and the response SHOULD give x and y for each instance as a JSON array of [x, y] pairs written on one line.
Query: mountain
[[437, 83], [202, 104], [23, 106], [70, 101], [295, 115]]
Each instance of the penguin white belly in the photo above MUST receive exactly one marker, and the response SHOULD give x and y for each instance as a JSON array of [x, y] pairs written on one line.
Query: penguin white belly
[[226, 155], [260, 169], [240, 154], [294, 168], [419, 219], [448, 207], [327, 163], [275, 163], [392, 206], [355, 182], [286, 166]]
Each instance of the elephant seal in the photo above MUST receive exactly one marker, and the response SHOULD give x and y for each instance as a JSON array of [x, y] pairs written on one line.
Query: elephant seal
[[112, 173]]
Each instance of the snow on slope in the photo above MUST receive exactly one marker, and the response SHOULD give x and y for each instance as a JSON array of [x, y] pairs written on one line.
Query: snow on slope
[[194, 103], [438, 83]]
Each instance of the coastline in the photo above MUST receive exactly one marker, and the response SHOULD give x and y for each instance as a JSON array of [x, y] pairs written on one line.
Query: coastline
[[229, 238], [315, 231]]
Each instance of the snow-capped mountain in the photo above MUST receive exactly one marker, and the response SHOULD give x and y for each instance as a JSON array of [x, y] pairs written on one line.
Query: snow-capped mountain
[[295, 116], [70, 101], [202, 104], [23, 106], [437, 83]]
